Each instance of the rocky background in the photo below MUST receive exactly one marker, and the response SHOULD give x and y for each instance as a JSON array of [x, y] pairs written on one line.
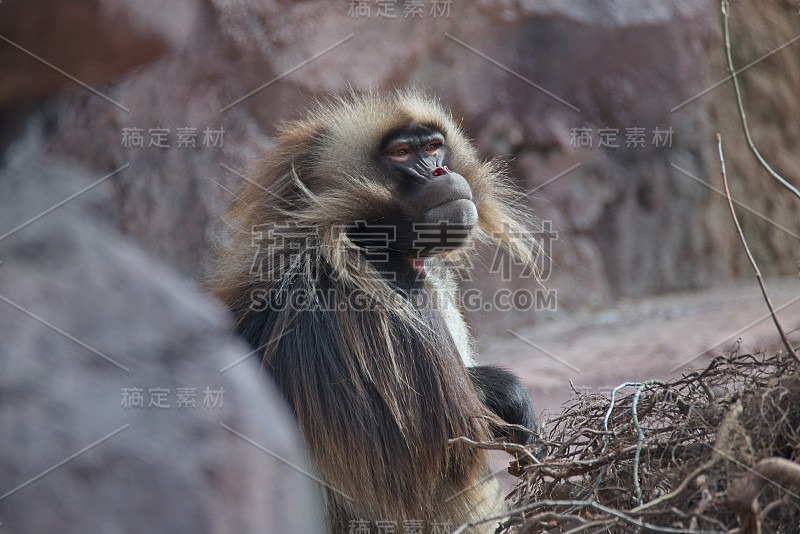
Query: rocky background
[[542, 84], [526, 78]]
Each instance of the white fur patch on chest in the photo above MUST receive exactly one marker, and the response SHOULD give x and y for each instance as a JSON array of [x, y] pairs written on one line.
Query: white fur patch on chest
[[444, 287]]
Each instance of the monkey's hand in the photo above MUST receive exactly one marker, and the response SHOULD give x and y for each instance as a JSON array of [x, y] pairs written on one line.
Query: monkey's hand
[[503, 393]]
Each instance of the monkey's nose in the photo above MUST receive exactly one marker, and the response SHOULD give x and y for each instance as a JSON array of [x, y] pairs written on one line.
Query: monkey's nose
[[438, 171]]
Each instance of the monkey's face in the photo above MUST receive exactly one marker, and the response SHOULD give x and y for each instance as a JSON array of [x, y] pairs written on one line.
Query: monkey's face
[[433, 195], [433, 207]]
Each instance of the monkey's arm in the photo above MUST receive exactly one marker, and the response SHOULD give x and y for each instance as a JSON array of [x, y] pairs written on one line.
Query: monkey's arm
[[505, 395]]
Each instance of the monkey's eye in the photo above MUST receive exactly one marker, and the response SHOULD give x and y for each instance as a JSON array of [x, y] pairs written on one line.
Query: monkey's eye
[[433, 146], [400, 153]]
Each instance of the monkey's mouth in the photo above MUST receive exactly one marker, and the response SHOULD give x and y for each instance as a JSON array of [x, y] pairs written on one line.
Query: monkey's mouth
[[456, 199], [460, 213], [418, 265]]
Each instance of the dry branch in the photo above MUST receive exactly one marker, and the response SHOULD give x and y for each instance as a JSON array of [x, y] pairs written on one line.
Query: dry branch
[[753, 263], [725, 5]]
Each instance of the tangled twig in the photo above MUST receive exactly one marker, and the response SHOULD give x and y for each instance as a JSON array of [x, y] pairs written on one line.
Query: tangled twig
[[684, 441]]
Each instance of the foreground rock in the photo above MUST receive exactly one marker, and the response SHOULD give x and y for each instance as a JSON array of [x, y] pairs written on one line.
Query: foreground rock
[[121, 409], [125, 406]]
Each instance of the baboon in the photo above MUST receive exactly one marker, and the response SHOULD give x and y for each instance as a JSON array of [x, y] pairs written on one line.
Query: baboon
[[338, 268]]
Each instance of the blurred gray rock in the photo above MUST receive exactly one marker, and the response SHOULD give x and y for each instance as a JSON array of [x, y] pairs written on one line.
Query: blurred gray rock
[[125, 404], [88, 323]]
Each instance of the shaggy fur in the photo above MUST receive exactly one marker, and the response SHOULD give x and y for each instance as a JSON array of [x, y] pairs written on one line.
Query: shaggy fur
[[375, 377]]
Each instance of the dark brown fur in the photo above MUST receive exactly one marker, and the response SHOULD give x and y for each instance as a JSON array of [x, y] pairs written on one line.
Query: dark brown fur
[[378, 392]]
